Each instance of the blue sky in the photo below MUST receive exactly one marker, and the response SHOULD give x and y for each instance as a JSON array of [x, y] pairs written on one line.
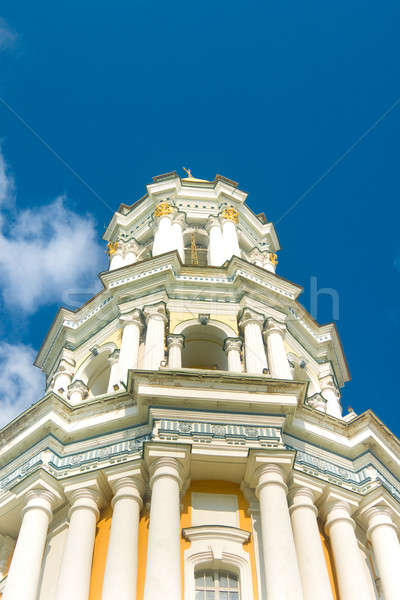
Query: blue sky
[[268, 94]]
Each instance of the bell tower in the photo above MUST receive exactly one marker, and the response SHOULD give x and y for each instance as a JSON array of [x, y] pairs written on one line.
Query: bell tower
[[191, 443]]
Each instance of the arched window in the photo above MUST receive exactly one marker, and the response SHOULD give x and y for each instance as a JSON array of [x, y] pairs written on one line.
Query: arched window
[[216, 584], [204, 348]]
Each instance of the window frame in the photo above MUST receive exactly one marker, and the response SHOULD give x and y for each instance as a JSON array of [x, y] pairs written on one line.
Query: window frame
[[217, 547]]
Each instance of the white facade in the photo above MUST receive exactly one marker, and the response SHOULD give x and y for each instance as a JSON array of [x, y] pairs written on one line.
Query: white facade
[[197, 402]]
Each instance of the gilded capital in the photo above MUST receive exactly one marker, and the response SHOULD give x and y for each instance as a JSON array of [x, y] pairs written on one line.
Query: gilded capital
[[230, 214], [112, 247], [163, 209]]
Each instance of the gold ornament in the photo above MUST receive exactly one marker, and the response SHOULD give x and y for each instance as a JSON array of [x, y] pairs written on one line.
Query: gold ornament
[[188, 172], [231, 214], [163, 209], [112, 247], [195, 258], [273, 258]]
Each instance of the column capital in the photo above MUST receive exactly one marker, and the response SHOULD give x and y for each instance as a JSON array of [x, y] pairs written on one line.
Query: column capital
[[270, 474], [273, 326], [163, 209], [133, 246], [212, 222], [113, 357], [251, 316], [126, 482], [87, 498], [301, 497], [179, 218], [127, 487], [271, 466], [40, 498], [328, 383], [377, 516], [233, 343], [155, 311], [175, 340], [230, 214], [85, 491], [335, 511], [166, 460], [78, 386], [166, 466], [64, 367], [135, 317]]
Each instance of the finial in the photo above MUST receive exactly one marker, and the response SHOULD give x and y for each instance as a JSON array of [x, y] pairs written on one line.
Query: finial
[[189, 172]]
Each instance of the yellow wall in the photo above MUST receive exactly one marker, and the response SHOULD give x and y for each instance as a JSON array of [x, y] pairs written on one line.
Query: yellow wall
[[100, 553], [103, 532], [329, 561], [176, 318], [219, 487], [142, 553]]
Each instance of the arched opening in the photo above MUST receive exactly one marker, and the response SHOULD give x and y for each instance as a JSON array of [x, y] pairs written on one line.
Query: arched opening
[[302, 372], [195, 244], [204, 348], [95, 371]]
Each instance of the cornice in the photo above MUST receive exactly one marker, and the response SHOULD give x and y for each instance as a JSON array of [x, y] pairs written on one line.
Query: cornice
[[122, 442]]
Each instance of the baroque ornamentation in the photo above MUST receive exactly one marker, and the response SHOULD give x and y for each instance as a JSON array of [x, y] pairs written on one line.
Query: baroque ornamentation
[[163, 209], [231, 214], [273, 257], [185, 427], [112, 247], [218, 429]]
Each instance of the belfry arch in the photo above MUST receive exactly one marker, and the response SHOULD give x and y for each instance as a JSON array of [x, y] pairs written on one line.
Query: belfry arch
[[204, 344], [95, 370]]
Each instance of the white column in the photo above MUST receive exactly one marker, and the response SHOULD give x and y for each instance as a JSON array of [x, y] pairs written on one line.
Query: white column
[[254, 351], [177, 235], [115, 372], [77, 392], [128, 355], [382, 532], [76, 566], [277, 358], [115, 252], [282, 575], [131, 253], [347, 556], [63, 377], [163, 570], [232, 347], [162, 235], [24, 574], [175, 343], [216, 253], [120, 577], [331, 394], [229, 218], [116, 261], [312, 565], [156, 319]]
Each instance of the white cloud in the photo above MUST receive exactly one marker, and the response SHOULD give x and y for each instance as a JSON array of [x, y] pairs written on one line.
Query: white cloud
[[6, 184], [44, 251], [21, 384], [8, 37]]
